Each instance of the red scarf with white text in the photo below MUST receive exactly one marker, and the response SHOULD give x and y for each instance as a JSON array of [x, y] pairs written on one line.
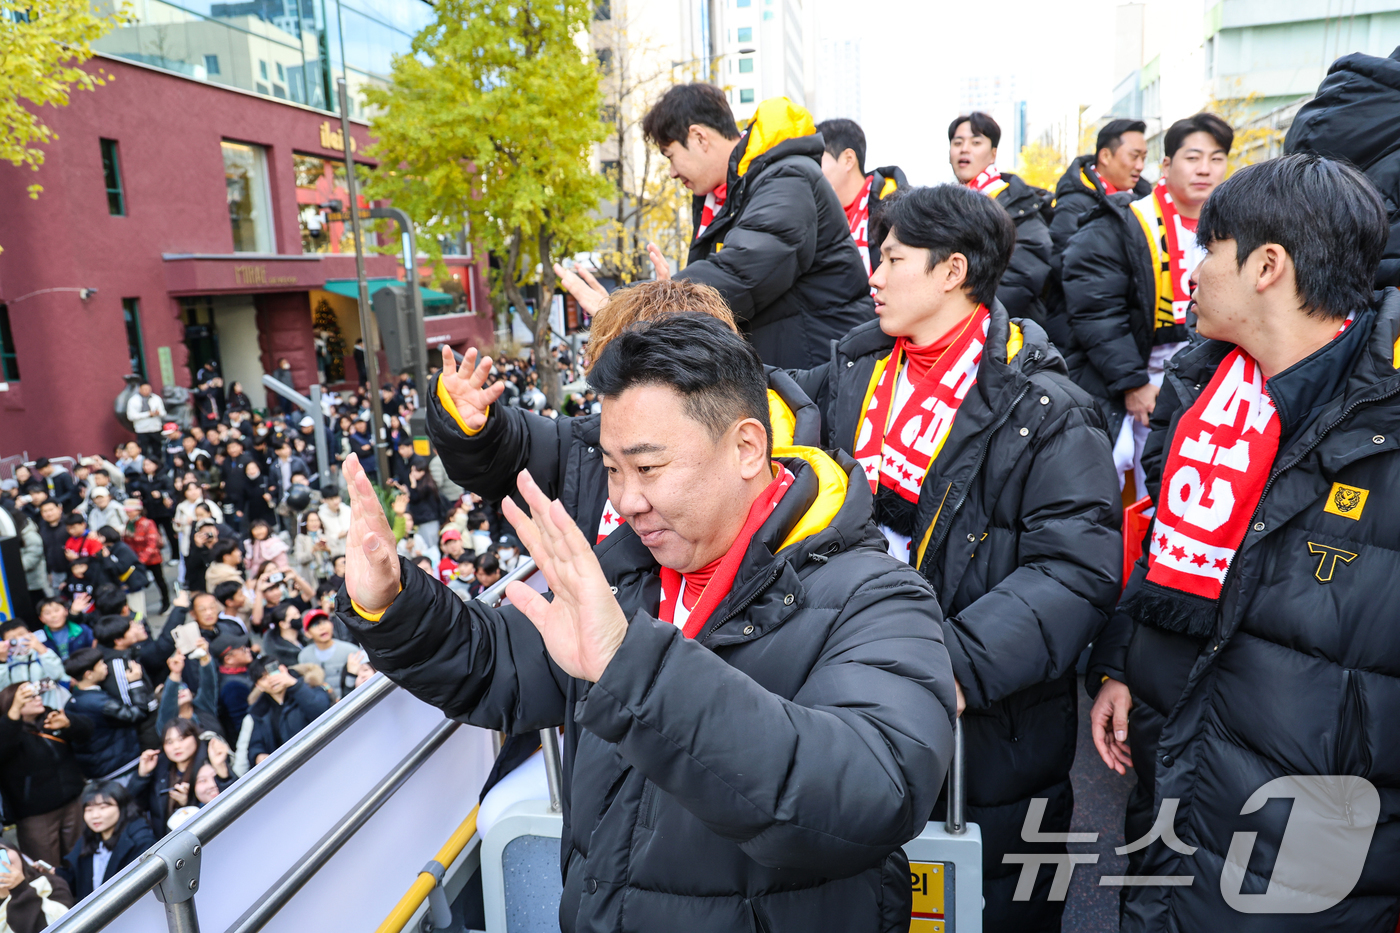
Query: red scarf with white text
[[895, 446], [1216, 470], [706, 588], [858, 216]]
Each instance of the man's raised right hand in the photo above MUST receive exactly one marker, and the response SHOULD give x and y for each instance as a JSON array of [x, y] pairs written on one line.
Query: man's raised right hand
[[371, 563], [467, 386]]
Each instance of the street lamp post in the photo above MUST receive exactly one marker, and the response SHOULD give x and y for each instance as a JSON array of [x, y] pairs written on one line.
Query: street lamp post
[[369, 330]]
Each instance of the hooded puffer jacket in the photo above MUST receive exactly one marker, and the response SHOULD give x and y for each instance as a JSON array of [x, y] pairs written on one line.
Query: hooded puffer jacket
[[563, 455], [761, 776], [1017, 530], [1299, 674], [1353, 117], [1078, 192], [780, 249]]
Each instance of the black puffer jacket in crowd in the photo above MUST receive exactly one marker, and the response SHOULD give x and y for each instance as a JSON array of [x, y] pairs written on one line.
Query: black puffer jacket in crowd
[[275, 723], [780, 249], [1077, 193], [1110, 299], [761, 776], [563, 455], [38, 770], [1299, 676], [1022, 286], [114, 741], [1354, 117], [1020, 516]]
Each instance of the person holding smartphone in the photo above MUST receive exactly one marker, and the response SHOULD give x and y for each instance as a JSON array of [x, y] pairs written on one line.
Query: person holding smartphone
[[39, 774], [31, 895]]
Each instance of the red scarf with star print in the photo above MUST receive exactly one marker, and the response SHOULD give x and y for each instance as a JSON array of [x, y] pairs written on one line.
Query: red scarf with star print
[[1216, 470], [707, 587], [903, 431]]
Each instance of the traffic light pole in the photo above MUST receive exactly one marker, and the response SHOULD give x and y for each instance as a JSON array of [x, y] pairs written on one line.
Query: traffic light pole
[[368, 328]]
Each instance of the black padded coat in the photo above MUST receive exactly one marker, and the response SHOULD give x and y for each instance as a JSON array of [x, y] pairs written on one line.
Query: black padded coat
[[1300, 674], [1021, 517], [780, 252], [761, 776]]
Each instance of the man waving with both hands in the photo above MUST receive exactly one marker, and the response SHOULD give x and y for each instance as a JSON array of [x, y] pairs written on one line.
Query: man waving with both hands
[[756, 701]]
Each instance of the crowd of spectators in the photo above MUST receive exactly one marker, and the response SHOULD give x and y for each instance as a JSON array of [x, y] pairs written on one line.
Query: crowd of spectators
[[181, 621]]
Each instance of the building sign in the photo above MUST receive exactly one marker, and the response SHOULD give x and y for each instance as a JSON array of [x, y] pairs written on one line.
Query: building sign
[[335, 139], [167, 366], [257, 275]]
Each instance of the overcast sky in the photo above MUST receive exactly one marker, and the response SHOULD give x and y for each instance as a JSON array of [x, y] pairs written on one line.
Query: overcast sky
[[913, 52]]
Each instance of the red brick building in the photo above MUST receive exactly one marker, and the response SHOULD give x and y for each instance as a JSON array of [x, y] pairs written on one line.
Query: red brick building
[[180, 221]]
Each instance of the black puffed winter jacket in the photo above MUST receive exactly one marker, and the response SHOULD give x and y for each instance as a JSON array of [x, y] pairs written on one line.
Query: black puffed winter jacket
[[780, 249], [1078, 192], [1022, 287], [563, 455], [1299, 674], [761, 776], [1017, 530], [1354, 117], [1110, 296]]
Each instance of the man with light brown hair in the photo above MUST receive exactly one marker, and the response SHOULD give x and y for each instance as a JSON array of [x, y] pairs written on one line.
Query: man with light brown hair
[[484, 445]]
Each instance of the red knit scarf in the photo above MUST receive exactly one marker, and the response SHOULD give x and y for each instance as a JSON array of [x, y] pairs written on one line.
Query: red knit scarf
[[707, 587], [988, 178], [896, 446], [1108, 186], [713, 202], [1216, 470], [858, 216]]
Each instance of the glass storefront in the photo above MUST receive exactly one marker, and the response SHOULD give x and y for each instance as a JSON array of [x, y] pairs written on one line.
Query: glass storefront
[[278, 48], [249, 207], [319, 182]]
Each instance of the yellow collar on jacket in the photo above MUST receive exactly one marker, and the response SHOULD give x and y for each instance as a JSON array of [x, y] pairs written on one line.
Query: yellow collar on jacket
[[832, 483], [775, 121]]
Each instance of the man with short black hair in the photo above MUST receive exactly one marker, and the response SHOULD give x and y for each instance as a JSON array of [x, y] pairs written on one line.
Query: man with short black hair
[[972, 152], [1126, 282], [24, 656], [991, 474], [146, 412], [843, 164], [287, 706], [770, 234], [1253, 644], [708, 662], [60, 484], [231, 599], [115, 741], [1115, 165]]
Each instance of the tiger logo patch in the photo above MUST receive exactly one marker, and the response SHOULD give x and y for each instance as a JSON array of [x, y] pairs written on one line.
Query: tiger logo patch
[[1346, 501]]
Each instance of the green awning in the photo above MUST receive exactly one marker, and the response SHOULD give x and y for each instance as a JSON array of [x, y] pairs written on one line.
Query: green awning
[[351, 289]]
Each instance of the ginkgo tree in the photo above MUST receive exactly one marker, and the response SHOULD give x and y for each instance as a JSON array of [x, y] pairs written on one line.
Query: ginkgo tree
[[492, 118], [43, 43]]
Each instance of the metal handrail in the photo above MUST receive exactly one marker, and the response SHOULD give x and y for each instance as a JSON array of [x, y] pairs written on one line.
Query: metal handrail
[[426, 881], [108, 902]]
